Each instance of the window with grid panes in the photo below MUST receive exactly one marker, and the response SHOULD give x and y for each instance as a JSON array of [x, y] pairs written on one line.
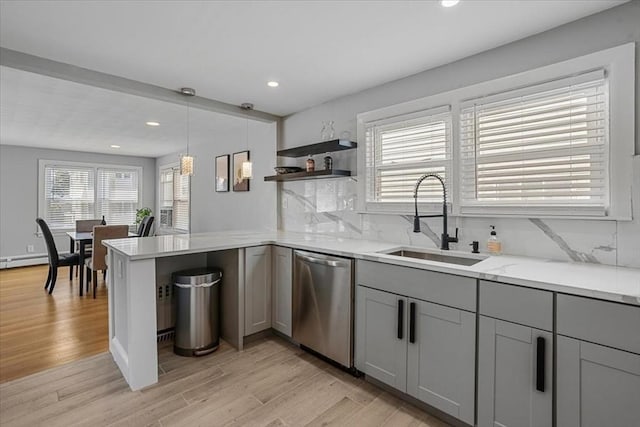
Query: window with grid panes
[[75, 191], [166, 188], [543, 147], [401, 149], [181, 205]]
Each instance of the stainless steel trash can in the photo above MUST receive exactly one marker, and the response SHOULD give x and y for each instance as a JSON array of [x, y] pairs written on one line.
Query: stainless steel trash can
[[197, 293]]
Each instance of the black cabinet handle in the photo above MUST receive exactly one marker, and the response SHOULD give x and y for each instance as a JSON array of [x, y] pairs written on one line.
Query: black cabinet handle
[[412, 322], [540, 365], [400, 318]]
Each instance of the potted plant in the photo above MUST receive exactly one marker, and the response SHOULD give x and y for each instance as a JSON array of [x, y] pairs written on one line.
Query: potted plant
[[141, 213]]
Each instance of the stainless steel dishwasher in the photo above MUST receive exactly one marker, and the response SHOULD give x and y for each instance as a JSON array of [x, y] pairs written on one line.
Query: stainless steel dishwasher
[[323, 305]]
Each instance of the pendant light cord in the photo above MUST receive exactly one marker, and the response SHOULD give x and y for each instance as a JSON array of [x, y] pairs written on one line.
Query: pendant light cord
[[187, 126]]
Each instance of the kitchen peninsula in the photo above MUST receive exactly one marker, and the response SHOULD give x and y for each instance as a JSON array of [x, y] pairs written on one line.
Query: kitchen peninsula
[[139, 266]]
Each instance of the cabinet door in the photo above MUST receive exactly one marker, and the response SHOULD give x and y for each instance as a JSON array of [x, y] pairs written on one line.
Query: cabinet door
[[381, 346], [441, 358], [281, 286], [257, 289], [597, 385], [508, 370]]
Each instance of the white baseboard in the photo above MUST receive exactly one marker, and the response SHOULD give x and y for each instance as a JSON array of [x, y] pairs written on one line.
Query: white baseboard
[[23, 260]]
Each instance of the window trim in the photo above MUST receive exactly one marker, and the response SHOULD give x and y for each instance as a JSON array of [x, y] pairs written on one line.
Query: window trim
[[172, 229], [42, 163], [619, 64], [550, 208], [401, 112]]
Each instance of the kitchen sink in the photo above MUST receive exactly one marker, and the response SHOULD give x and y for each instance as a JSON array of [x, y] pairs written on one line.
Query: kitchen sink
[[449, 259]]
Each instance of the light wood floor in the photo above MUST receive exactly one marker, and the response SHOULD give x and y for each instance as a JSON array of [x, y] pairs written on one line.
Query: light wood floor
[[270, 383], [39, 331]]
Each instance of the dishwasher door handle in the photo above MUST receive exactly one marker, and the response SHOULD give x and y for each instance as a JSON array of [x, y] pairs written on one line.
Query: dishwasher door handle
[[327, 262]]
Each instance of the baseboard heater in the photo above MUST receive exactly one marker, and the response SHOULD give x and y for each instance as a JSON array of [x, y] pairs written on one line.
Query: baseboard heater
[[23, 260]]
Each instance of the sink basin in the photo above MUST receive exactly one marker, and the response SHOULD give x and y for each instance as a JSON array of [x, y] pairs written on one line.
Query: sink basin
[[450, 259]]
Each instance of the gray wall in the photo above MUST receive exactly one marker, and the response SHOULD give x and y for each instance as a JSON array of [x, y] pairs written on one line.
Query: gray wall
[[330, 207], [607, 29], [213, 211], [19, 193]]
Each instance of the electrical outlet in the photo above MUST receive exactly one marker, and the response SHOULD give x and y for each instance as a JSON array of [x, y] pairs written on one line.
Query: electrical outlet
[[30, 249], [285, 203]]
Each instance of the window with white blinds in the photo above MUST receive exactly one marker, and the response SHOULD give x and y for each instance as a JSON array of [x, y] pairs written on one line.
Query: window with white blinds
[[542, 146], [181, 190], [70, 192], [68, 195], [401, 149], [118, 197]]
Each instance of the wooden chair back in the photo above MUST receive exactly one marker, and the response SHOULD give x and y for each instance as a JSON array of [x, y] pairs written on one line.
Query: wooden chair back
[[86, 225], [104, 232]]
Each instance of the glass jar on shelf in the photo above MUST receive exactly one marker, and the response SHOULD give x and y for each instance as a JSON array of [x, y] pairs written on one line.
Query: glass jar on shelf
[[311, 164]]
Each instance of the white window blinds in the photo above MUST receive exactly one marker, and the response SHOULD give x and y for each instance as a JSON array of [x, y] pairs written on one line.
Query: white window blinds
[[68, 195], [118, 195], [401, 149], [540, 146], [180, 201], [166, 188], [72, 191]]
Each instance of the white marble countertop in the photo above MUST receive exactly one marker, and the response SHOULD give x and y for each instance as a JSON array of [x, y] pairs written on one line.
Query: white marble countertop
[[592, 280]]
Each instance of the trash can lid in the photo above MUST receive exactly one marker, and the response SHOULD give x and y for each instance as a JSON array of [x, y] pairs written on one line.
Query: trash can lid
[[197, 276]]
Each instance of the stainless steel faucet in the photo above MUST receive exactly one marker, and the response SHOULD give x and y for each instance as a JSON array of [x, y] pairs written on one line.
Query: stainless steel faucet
[[445, 240]]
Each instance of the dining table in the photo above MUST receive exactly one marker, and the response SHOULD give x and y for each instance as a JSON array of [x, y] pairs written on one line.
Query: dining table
[[82, 238]]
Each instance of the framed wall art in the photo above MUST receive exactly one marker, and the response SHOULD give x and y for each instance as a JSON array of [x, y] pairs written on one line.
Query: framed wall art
[[240, 183], [222, 173]]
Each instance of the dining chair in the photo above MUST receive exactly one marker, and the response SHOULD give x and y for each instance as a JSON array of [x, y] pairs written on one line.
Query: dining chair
[[97, 262], [84, 226], [147, 227], [55, 259], [142, 225]]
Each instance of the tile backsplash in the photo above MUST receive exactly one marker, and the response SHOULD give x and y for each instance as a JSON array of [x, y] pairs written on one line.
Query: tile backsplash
[[329, 207]]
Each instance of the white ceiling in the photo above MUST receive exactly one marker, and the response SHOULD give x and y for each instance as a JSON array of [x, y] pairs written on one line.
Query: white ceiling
[[317, 50], [41, 111]]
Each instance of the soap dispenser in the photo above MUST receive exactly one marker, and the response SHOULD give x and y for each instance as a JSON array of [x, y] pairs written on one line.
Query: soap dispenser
[[494, 246]]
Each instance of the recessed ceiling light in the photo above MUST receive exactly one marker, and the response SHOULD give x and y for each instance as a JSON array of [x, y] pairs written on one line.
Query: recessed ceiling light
[[114, 146], [152, 124], [449, 3], [273, 83]]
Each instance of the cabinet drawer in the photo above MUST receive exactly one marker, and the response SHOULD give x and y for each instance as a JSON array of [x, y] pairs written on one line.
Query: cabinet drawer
[[530, 307], [441, 288], [602, 322]]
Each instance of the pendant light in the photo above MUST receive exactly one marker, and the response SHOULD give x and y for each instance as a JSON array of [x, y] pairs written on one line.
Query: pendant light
[[186, 160], [247, 166]]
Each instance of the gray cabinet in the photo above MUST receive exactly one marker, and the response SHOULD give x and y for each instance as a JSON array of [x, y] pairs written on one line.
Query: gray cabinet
[[257, 289], [282, 273], [441, 358], [598, 365], [515, 356], [424, 349], [508, 368], [381, 346], [597, 385]]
